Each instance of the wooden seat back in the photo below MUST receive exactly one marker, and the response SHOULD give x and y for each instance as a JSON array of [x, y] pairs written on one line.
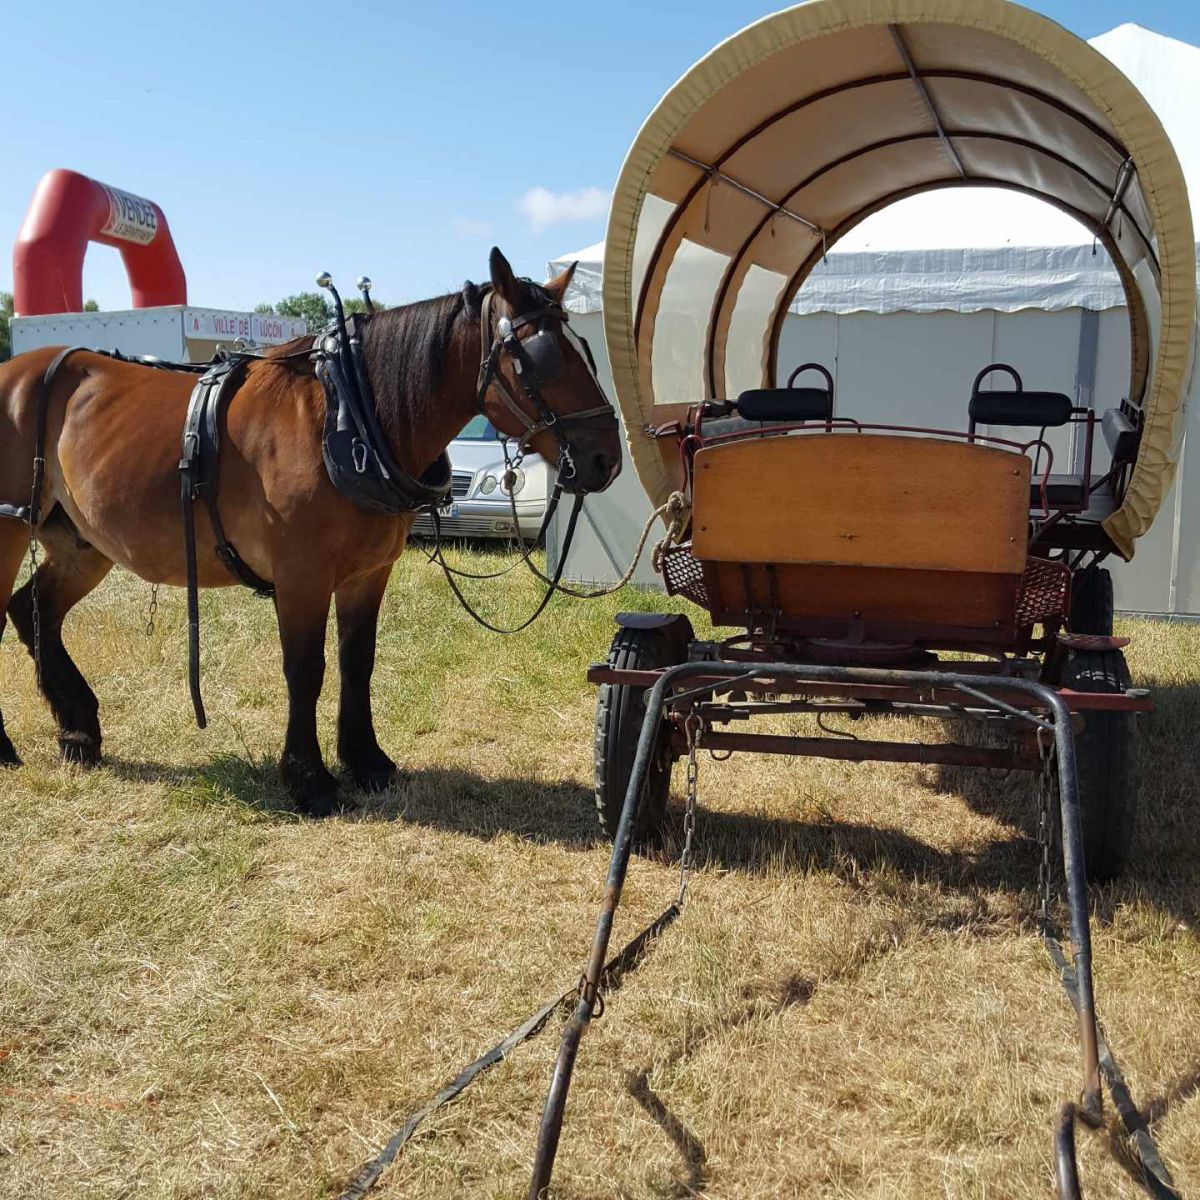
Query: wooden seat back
[[900, 533]]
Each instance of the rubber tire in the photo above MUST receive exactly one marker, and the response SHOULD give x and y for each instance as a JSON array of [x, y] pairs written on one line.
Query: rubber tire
[[1104, 758], [619, 714], [1092, 602]]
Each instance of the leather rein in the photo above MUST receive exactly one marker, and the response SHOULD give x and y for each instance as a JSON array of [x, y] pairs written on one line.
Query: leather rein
[[538, 362]]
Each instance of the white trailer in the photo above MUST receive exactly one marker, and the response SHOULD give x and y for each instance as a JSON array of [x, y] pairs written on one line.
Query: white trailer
[[177, 333]]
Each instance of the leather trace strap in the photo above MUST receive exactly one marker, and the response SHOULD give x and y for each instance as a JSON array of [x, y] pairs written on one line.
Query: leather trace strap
[[199, 468]]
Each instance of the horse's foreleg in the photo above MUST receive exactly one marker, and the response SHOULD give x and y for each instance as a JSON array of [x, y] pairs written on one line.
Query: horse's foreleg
[[69, 572], [14, 541], [358, 619], [303, 611]]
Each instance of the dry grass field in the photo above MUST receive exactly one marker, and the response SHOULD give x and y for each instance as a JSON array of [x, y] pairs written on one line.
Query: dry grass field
[[202, 996]]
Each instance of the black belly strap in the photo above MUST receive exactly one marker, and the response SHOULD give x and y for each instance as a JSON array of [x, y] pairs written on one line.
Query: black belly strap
[[199, 472]]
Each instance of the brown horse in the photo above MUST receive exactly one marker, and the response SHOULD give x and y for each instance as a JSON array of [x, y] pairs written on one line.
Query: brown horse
[[111, 495]]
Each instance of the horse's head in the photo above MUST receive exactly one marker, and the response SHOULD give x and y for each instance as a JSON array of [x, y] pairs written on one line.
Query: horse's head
[[538, 382]]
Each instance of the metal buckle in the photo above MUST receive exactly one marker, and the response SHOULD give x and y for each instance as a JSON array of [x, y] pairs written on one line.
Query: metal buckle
[[358, 453]]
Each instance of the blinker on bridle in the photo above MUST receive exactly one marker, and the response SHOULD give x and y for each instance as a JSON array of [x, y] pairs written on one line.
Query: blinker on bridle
[[538, 363]]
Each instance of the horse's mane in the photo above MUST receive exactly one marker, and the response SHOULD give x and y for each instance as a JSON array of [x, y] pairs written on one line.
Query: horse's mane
[[405, 353], [405, 350]]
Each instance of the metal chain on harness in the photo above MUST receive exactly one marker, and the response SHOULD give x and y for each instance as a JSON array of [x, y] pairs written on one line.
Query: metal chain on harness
[[152, 610], [35, 601], [692, 727]]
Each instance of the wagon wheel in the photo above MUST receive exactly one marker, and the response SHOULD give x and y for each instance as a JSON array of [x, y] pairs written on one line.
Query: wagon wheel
[[619, 713], [1104, 755], [1092, 601]]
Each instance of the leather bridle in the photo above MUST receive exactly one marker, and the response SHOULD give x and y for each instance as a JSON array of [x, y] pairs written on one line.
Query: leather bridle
[[538, 363]]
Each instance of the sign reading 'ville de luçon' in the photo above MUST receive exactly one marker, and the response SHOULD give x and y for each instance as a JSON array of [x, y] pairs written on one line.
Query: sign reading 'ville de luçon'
[[266, 329]]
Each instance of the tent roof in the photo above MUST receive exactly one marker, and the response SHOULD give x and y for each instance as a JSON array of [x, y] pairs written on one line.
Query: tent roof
[[791, 133], [1003, 251]]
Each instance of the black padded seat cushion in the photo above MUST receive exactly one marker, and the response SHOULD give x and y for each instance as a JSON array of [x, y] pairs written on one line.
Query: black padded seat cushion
[[786, 404], [1026, 409], [1060, 490]]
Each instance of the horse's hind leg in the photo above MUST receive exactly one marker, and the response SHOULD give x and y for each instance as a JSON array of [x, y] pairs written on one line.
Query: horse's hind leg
[[14, 543], [68, 572]]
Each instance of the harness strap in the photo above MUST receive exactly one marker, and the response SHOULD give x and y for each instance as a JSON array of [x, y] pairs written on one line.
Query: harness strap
[[31, 513], [355, 450], [198, 480], [193, 590]]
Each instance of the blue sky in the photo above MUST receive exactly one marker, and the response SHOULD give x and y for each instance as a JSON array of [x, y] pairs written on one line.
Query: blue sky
[[397, 139]]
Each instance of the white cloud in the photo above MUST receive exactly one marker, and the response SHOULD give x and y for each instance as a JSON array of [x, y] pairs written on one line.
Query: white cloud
[[544, 208], [471, 227]]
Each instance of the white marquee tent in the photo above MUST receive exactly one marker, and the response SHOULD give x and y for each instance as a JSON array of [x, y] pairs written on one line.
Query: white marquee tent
[[920, 296]]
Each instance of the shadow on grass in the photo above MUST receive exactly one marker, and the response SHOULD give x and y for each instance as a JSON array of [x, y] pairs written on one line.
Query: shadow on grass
[[1163, 867], [455, 800], [563, 812], [226, 781]]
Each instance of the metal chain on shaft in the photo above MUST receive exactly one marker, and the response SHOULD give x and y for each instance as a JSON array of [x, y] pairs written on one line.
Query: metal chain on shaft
[[691, 727], [1047, 791], [37, 608], [152, 610]]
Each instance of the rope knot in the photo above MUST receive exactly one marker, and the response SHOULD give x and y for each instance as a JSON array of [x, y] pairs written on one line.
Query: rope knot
[[675, 512]]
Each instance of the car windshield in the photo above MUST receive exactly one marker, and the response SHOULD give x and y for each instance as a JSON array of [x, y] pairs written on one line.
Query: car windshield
[[478, 429]]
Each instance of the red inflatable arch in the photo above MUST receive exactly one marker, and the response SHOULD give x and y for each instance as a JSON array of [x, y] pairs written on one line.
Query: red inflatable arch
[[67, 212]]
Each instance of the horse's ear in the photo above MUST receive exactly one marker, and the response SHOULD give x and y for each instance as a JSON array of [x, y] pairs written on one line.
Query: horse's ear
[[472, 299], [557, 287], [504, 282]]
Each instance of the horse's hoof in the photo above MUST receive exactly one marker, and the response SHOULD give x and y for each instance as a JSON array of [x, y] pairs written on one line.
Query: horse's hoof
[[80, 749], [321, 807], [377, 781], [8, 755], [318, 804], [321, 799]]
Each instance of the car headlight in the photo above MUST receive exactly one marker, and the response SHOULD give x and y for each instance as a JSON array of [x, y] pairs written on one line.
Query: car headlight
[[513, 481], [488, 485]]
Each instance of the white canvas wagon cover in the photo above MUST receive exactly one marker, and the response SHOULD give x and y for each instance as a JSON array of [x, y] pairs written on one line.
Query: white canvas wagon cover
[[793, 131]]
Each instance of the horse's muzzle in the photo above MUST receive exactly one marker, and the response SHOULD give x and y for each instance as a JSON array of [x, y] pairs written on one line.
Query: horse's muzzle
[[594, 471]]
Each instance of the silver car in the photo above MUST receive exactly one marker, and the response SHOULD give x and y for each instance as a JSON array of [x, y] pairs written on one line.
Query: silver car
[[480, 506]]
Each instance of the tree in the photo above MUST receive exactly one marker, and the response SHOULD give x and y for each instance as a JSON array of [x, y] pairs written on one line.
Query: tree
[[6, 312], [90, 306], [313, 308]]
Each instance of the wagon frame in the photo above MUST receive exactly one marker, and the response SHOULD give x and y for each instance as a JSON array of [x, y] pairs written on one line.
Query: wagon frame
[[873, 568]]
